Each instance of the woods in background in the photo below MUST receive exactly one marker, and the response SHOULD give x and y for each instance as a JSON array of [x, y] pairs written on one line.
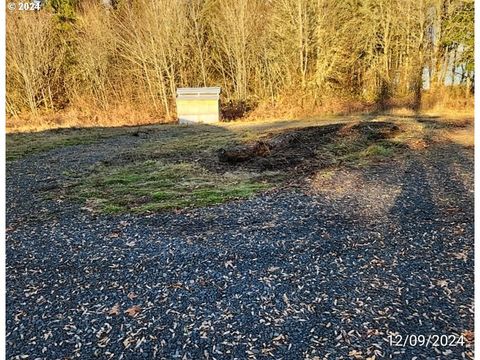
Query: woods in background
[[101, 56]]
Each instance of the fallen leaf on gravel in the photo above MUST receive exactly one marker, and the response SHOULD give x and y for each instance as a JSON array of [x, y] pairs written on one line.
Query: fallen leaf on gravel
[[371, 332], [115, 310], [176, 286], [458, 231], [468, 335], [19, 315], [460, 256], [355, 354], [127, 341], [133, 311], [131, 295], [442, 283]]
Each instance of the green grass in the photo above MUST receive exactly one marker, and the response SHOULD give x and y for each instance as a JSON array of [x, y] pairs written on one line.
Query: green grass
[[154, 185], [327, 174], [377, 150], [360, 152]]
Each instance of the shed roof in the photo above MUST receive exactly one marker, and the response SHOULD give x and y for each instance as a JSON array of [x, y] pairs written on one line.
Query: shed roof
[[199, 91]]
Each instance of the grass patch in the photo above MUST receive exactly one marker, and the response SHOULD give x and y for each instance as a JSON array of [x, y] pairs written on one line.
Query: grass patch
[[23, 144], [182, 142], [111, 209], [363, 156], [377, 150], [153, 186], [327, 174]]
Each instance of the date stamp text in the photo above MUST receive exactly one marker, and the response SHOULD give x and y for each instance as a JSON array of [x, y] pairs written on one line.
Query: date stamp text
[[433, 340]]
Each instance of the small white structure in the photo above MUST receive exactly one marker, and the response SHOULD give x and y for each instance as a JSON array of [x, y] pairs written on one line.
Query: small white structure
[[198, 105]]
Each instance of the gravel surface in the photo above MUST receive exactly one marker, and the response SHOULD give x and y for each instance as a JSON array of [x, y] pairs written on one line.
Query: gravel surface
[[327, 271]]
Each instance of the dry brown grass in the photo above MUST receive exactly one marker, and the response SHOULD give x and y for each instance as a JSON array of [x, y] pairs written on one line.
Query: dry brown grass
[[76, 118], [463, 137], [291, 107], [448, 100], [453, 105]]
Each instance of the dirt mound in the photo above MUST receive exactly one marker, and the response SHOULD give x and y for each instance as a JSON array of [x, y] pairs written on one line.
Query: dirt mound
[[305, 148]]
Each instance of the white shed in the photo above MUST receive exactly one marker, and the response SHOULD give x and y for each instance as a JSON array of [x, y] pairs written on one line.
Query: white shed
[[198, 105]]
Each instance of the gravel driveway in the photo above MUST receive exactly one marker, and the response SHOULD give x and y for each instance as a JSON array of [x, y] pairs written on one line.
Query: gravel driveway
[[327, 271]]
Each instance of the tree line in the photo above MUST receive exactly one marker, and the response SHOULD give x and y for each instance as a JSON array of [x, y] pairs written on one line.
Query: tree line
[[100, 55]]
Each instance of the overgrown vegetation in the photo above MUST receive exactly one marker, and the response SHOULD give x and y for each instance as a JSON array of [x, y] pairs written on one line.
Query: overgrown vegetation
[[154, 185], [121, 63]]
